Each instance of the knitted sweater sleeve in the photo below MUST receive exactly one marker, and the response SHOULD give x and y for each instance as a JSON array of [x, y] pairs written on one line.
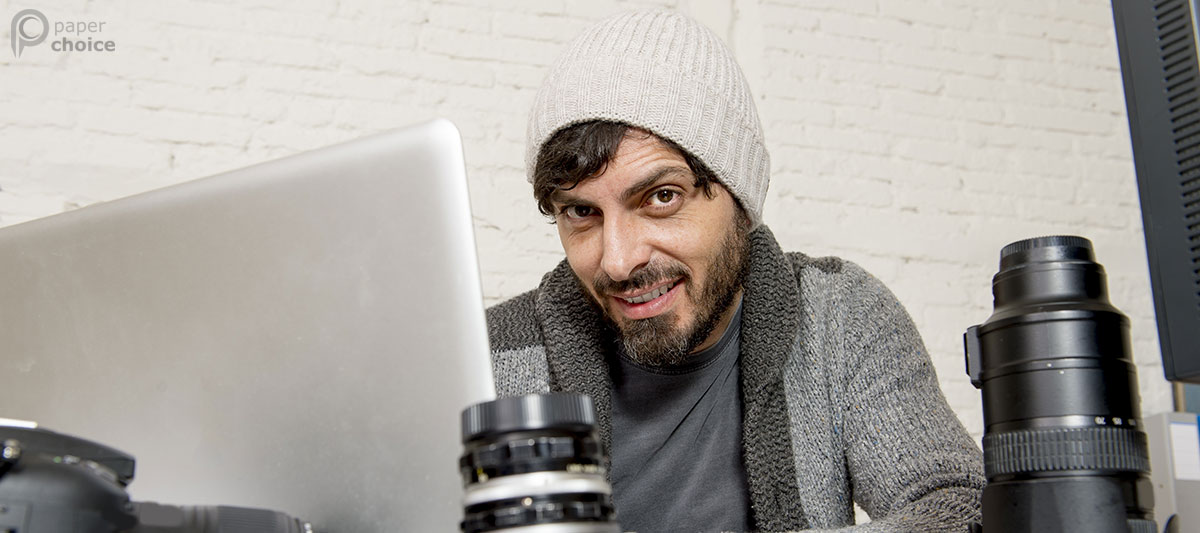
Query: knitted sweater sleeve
[[909, 462]]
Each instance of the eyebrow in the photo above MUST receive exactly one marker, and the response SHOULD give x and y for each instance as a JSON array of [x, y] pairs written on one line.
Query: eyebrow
[[651, 180]]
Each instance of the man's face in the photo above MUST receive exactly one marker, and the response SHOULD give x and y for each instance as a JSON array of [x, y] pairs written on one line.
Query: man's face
[[661, 258]]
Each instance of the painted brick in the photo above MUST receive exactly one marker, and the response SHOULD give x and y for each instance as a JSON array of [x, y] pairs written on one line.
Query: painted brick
[[863, 7], [542, 28], [876, 29], [884, 76], [460, 18], [789, 18], [925, 13], [940, 60], [825, 45]]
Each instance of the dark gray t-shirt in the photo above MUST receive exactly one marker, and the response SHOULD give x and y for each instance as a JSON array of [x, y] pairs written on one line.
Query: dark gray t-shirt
[[677, 442]]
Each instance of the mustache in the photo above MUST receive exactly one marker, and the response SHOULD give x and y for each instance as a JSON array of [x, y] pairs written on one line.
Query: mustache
[[642, 278]]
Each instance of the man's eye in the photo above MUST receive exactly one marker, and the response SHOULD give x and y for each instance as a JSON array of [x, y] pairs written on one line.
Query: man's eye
[[578, 211], [663, 197]]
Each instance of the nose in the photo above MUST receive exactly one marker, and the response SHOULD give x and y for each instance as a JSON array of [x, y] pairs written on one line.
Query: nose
[[626, 248]]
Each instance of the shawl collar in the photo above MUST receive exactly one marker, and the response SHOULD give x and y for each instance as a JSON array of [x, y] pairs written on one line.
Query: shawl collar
[[571, 331], [770, 324]]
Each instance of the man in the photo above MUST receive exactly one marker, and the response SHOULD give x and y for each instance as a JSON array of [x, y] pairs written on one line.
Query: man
[[738, 388]]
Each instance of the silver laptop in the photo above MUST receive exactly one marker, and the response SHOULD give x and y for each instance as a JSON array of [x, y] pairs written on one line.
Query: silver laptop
[[299, 335]]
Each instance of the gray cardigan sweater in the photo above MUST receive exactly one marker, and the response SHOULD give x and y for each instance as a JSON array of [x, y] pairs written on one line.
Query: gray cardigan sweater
[[840, 401]]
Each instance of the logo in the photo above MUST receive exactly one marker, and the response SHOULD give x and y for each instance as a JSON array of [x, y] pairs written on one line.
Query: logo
[[29, 28]]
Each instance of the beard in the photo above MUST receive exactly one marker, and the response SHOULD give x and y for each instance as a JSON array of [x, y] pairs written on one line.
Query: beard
[[658, 341]]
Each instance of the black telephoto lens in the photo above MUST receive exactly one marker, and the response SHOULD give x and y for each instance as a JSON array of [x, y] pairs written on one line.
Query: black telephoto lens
[[534, 464], [1063, 449]]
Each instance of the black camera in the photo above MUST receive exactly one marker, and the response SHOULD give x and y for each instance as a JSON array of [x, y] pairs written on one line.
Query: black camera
[[1063, 446], [56, 483], [535, 462]]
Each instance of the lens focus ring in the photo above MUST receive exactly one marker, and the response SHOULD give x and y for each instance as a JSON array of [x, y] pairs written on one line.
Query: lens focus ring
[[531, 453], [1049, 241], [1056, 449], [547, 509]]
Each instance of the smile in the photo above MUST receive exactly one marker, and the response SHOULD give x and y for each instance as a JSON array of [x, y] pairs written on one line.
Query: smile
[[655, 293]]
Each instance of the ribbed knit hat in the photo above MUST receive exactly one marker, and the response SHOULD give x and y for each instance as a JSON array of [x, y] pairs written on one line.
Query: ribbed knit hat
[[665, 73]]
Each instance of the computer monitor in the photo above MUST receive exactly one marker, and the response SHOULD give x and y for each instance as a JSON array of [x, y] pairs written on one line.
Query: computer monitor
[[299, 335], [1157, 44]]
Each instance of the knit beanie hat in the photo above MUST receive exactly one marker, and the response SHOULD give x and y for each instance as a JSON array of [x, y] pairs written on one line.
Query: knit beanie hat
[[665, 73]]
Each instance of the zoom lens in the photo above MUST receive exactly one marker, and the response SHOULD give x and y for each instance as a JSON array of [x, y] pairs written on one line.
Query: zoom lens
[[1063, 449], [534, 464]]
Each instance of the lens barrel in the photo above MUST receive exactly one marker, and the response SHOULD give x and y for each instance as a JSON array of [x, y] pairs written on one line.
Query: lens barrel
[[535, 464], [1063, 449]]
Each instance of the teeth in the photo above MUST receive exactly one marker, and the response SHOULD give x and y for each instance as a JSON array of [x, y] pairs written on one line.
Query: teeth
[[650, 295]]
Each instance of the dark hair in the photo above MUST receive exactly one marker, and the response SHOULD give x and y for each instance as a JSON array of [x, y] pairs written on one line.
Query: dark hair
[[582, 151]]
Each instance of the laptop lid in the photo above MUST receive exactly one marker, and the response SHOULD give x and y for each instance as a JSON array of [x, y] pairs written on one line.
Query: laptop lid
[[299, 335]]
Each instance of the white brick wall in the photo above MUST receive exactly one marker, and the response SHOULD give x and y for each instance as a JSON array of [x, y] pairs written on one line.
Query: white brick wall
[[914, 137]]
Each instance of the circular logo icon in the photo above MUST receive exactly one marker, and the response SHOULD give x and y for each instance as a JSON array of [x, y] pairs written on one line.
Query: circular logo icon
[[29, 28]]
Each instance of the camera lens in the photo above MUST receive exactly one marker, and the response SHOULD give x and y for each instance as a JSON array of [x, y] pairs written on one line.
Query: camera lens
[[1063, 448], [535, 464]]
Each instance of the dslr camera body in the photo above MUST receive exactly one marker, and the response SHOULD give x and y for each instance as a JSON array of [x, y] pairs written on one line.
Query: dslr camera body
[[56, 483]]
